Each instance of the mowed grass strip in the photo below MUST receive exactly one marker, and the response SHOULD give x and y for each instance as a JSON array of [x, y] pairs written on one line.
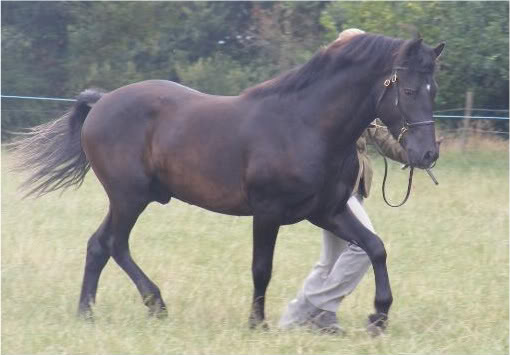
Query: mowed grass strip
[[447, 259]]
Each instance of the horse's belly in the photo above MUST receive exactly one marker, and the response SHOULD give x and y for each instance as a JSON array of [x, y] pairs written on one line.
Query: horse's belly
[[207, 185], [213, 197], [299, 211]]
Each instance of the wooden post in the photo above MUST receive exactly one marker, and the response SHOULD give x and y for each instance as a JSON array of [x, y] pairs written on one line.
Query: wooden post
[[467, 118]]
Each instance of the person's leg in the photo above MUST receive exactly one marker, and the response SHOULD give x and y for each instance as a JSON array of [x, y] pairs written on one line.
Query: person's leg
[[339, 270], [346, 273], [298, 311]]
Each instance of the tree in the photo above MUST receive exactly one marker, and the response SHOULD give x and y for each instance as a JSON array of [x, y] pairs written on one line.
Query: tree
[[476, 33], [60, 48]]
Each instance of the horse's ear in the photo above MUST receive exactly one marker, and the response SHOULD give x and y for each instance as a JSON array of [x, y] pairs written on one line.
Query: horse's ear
[[413, 47], [439, 49]]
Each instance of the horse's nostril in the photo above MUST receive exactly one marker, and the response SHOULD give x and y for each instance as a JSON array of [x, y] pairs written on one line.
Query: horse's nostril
[[430, 156]]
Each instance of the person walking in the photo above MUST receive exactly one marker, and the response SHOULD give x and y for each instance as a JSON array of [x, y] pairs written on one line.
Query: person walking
[[341, 265]]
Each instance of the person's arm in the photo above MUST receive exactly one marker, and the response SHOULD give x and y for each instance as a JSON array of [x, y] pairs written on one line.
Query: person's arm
[[387, 144]]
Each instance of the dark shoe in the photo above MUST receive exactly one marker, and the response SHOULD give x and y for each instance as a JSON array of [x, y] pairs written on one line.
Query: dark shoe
[[325, 322], [300, 313]]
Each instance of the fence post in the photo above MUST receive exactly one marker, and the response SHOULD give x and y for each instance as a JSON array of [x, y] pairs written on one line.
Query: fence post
[[467, 118]]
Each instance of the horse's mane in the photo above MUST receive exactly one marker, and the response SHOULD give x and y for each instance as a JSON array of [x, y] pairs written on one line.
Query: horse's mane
[[371, 50]]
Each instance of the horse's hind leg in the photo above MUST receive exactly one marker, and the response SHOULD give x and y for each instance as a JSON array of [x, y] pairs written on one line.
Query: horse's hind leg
[[97, 257], [125, 212], [111, 239]]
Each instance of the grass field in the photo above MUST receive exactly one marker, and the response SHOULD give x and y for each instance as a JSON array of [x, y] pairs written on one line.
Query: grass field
[[447, 259]]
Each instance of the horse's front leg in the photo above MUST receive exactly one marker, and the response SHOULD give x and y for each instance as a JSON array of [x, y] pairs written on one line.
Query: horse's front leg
[[264, 239], [345, 225]]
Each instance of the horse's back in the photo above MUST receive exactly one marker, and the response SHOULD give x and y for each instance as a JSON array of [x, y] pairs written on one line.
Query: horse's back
[[131, 106]]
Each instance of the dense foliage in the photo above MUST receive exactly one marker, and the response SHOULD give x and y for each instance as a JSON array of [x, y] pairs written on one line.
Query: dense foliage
[[57, 49]]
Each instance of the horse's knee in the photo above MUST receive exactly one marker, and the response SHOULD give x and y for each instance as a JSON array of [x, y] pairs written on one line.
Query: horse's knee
[[379, 255], [377, 251]]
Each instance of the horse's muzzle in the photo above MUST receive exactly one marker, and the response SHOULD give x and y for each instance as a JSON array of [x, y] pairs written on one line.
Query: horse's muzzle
[[427, 160]]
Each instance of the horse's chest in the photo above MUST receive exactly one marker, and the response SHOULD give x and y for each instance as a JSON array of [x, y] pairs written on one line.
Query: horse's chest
[[287, 192]]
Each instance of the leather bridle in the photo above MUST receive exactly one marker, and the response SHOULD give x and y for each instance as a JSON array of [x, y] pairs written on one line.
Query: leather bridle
[[406, 125]]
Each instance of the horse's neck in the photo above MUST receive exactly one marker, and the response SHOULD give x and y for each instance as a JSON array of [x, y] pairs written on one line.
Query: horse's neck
[[341, 110]]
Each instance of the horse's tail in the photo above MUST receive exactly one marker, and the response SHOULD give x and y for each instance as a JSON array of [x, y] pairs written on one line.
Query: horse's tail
[[52, 151]]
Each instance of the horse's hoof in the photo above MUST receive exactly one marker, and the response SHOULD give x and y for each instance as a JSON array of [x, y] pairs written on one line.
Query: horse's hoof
[[374, 330], [86, 315], [262, 326], [377, 324], [158, 312], [258, 324]]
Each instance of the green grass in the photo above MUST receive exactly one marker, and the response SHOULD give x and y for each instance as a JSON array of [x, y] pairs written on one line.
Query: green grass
[[447, 259]]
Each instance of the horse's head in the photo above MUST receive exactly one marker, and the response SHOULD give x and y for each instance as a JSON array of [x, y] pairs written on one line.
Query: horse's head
[[405, 102]]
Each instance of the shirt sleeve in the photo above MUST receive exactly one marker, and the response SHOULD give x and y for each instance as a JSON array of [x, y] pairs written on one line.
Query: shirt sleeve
[[388, 145]]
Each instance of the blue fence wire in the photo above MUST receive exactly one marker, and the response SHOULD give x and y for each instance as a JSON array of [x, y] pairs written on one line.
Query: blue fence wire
[[435, 116], [472, 117], [35, 98]]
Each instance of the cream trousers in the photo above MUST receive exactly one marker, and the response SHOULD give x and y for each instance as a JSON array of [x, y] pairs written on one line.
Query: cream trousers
[[337, 273]]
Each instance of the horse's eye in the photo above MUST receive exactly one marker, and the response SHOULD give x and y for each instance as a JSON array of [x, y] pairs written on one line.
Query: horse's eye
[[409, 92]]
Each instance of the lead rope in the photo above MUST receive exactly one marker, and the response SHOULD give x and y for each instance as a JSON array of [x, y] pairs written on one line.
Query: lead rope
[[408, 193]]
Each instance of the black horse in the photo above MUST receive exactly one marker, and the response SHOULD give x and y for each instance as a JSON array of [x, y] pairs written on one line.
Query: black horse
[[282, 151]]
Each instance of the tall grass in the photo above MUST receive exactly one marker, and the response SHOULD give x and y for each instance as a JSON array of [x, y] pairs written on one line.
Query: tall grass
[[448, 264]]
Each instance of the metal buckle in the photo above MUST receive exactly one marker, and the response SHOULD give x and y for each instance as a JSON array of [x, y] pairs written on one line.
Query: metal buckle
[[392, 79], [402, 131]]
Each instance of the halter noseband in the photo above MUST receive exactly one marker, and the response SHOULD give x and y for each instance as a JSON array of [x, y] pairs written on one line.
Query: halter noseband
[[406, 125]]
